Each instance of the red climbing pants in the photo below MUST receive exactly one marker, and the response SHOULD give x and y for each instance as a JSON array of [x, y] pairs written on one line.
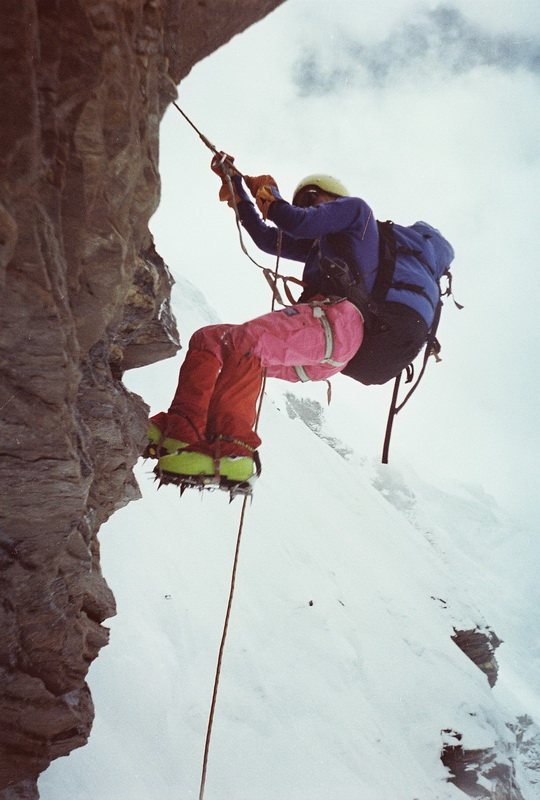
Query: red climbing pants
[[220, 379]]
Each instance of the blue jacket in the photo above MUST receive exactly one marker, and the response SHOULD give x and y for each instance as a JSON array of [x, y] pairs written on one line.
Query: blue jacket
[[346, 229]]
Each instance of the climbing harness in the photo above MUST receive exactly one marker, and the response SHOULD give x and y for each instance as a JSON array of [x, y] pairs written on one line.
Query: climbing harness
[[320, 313]]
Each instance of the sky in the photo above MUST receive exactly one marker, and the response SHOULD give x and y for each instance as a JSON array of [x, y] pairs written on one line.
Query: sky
[[426, 111]]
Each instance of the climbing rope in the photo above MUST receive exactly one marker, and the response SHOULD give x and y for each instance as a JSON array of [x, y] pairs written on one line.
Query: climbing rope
[[217, 676], [206, 141], [220, 654], [272, 277], [228, 171]]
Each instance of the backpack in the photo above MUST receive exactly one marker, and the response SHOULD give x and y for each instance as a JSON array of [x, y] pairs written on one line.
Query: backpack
[[394, 333]]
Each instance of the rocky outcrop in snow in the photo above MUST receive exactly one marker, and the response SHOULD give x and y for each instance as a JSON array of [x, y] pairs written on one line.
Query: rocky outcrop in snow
[[480, 646], [481, 773]]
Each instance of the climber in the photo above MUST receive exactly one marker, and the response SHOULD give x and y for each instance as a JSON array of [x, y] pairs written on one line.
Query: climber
[[208, 430]]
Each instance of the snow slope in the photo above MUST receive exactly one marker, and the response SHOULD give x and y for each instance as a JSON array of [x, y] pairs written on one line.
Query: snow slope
[[339, 673]]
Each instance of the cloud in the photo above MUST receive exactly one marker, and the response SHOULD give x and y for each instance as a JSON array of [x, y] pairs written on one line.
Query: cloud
[[440, 39]]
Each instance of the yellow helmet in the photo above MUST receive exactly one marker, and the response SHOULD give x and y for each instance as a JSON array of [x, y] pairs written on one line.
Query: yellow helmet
[[325, 182]]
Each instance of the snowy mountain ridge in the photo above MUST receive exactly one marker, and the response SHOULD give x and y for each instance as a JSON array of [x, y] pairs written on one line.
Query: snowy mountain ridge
[[342, 679]]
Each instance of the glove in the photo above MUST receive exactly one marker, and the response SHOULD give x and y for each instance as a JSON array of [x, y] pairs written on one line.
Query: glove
[[222, 165], [254, 184], [225, 194], [264, 198]]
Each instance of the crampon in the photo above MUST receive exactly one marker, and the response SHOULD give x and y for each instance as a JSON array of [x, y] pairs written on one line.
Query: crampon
[[205, 482]]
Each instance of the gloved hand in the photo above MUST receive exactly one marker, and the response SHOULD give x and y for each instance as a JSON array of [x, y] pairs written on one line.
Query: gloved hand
[[225, 194], [264, 198], [254, 184], [223, 164]]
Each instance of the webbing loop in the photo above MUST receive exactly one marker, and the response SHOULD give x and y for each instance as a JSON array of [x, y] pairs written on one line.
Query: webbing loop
[[320, 314], [228, 170], [272, 278]]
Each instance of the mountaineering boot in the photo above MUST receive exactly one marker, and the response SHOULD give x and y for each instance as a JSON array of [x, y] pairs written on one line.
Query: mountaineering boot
[[226, 458], [189, 463], [159, 444], [232, 413]]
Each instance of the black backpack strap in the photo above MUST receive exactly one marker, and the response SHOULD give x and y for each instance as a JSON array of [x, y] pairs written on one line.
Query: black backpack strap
[[432, 346], [387, 261], [391, 414], [412, 287]]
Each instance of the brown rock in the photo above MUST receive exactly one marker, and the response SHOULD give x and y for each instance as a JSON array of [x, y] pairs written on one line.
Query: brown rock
[[480, 646], [473, 771], [84, 84]]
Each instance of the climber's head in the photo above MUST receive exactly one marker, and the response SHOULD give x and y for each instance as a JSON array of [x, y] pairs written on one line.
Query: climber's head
[[317, 188]]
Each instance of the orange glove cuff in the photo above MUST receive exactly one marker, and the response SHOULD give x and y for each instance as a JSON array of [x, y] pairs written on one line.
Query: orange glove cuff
[[225, 194], [264, 199], [256, 183]]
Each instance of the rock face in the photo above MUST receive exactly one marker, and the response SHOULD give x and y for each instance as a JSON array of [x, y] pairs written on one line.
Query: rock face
[[491, 773], [480, 647], [473, 771], [84, 84]]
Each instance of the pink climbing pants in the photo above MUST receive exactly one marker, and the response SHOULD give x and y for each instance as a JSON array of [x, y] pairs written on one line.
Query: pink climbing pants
[[221, 376], [304, 335]]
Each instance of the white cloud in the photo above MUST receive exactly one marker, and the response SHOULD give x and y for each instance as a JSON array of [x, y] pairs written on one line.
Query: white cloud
[[429, 42]]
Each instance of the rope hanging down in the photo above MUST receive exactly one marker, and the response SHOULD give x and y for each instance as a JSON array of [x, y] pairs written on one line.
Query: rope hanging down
[[220, 654], [272, 278], [217, 677]]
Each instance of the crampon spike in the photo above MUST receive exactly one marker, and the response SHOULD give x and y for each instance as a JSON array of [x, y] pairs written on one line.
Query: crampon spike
[[205, 483]]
